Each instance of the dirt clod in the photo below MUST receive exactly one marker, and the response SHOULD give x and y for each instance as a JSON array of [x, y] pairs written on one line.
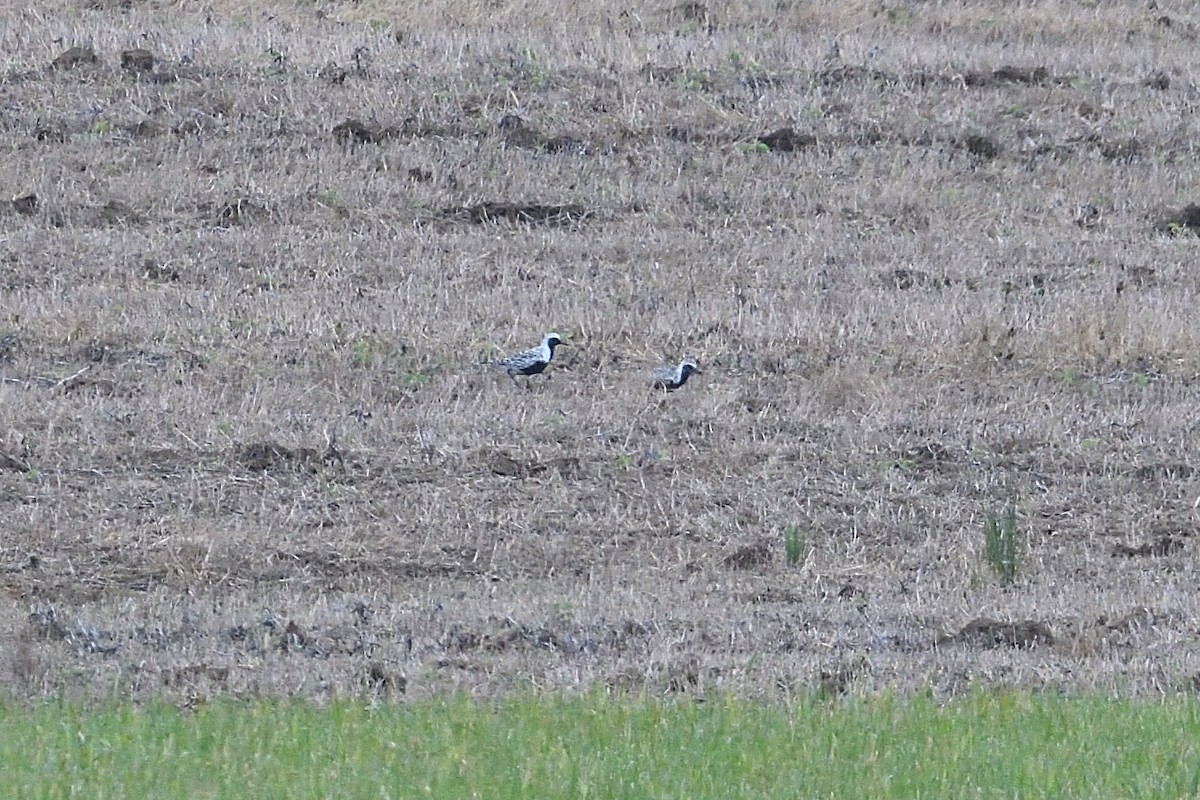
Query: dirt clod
[[1157, 80], [1009, 74], [50, 131], [505, 466], [1159, 548], [239, 211], [137, 60], [1123, 150], [1088, 216], [193, 675], [334, 74], [271, 456], [903, 279], [26, 205], [294, 637], [528, 213], [987, 633], [153, 271], [75, 57], [145, 129], [13, 463], [1138, 620], [837, 680], [925, 457], [984, 147], [378, 677], [516, 132], [115, 213], [1185, 220], [787, 140], [690, 15], [751, 556], [358, 132]]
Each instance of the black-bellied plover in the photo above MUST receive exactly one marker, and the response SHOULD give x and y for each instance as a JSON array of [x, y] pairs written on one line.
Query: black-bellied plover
[[671, 378], [531, 361]]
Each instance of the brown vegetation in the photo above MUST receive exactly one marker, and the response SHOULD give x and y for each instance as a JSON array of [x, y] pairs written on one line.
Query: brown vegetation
[[251, 261]]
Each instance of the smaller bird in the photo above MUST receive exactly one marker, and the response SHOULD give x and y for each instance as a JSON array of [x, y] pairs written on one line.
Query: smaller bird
[[531, 361], [671, 378]]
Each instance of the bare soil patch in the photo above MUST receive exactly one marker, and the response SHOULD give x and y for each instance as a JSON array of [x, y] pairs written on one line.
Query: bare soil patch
[[935, 261]]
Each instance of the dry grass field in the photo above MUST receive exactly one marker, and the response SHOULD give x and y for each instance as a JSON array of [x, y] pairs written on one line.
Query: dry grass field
[[941, 269]]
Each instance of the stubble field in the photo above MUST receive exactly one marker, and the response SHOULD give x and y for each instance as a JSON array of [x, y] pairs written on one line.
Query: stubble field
[[943, 269]]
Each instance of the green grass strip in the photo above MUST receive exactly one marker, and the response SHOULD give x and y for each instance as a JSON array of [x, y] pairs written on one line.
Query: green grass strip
[[985, 746]]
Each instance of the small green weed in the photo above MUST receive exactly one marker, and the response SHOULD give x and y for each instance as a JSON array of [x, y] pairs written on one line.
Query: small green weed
[[364, 351], [417, 377], [1003, 543], [738, 61], [754, 146], [692, 80], [796, 546]]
